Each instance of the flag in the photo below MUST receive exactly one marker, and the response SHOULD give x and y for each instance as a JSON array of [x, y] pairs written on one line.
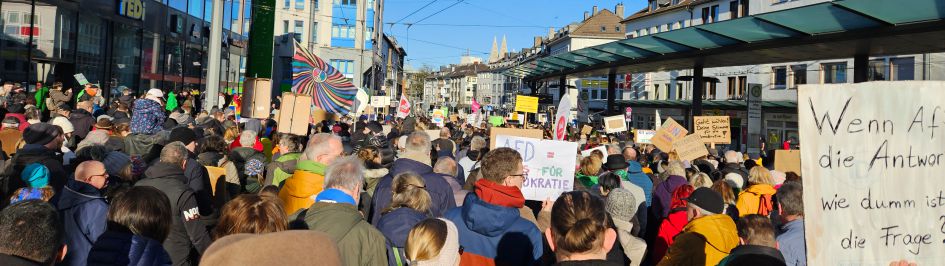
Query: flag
[[330, 89], [659, 122], [562, 117], [403, 110], [475, 106]]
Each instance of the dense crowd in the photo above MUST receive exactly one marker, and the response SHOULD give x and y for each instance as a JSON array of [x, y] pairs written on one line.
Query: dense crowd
[[153, 179]]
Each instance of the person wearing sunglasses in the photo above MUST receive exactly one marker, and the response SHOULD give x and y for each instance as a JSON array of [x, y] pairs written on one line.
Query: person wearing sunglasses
[[83, 209]]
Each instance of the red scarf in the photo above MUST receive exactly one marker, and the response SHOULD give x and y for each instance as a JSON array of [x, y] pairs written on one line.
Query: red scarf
[[504, 196]]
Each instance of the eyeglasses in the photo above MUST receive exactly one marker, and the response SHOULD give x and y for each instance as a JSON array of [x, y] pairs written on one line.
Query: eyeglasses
[[105, 175], [523, 175]]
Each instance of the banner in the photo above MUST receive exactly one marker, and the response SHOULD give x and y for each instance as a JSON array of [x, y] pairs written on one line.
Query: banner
[[690, 147], [614, 124], [496, 120], [667, 134], [526, 104], [549, 164], [643, 136], [872, 166], [525, 133], [713, 129], [561, 118], [475, 106], [403, 110], [438, 117]]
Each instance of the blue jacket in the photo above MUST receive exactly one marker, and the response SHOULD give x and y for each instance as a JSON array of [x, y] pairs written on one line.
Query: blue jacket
[[493, 233], [636, 176], [440, 192], [791, 243], [119, 247], [83, 211], [396, 225]]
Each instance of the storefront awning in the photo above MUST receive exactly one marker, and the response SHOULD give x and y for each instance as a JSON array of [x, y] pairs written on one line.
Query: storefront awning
[[708, 104]]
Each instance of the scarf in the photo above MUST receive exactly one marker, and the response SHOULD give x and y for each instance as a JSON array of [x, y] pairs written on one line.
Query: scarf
[[332, 195], [505, 196]]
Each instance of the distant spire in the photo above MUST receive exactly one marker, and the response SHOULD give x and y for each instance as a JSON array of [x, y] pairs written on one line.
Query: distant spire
[[504, 50], [493, 55]]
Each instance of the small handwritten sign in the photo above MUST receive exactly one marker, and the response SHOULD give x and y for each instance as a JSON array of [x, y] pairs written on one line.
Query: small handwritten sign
[[667, 134], [643, 136], [713, 129], [690, 147], [549, 164], [614, 124]]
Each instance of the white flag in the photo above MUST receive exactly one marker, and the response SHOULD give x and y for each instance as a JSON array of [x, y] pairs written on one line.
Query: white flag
[[403, 110], [562, 117]]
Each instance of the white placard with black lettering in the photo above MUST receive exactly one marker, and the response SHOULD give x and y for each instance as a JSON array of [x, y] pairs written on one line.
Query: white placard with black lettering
[[549, 164]]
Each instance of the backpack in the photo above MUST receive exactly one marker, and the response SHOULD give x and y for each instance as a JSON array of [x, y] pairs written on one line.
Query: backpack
[[765, 204]]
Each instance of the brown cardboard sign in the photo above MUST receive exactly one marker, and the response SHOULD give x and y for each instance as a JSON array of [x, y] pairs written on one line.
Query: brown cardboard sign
[[667, 134], [713, 129]]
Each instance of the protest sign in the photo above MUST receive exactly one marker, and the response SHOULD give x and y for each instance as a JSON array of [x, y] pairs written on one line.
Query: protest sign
[[667, 134], [380, 101], [561, 118], [587, 152], [454, 118], [643, 136], [403, 110], [713, 129], [549, 164], [787, 161], [438, 117], [526, 133], [586, 130], [690, 147], [526, 104], [872, 167], [496, 121], [628, 113], [614, 124], [295, 113], [81, 79]]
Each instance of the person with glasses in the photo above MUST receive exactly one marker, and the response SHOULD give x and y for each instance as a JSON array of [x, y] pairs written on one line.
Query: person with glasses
[[83, 210]]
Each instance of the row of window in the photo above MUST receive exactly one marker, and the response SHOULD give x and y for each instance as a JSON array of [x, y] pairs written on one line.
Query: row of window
[[344, 66], [710, 14]]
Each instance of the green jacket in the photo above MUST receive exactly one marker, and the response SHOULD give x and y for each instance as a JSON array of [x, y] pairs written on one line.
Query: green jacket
[[358, 241], [281, 169], [171, 101]]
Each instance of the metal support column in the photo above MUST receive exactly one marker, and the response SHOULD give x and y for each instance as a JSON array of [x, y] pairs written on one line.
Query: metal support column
[[214, 52], [698, 85], [562, 86], [611, 91], [861, 66]]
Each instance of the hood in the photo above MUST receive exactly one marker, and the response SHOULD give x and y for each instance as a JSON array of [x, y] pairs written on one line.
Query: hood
[[165, 170], [76, 193], [308, 179], [671, 183], [335, 219], [761, 189], [487, 219], [403, 165], [718, 230], [634, 168], [396, 224], [292, 156]]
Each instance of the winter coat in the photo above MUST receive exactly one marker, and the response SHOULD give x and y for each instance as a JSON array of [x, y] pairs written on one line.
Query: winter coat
[[395, 225], [440, 192], [299, 189], [58, 97], [671, 226], [82, 121], [147, 117], [198, 179], [9, 137], [211, 159], [282, 168], [10, 260], [358, 241], [753, 255], [633, 247], [636, 176], [755, 200], [663, 195], [140, 144], [238, 158], [188, 237], [33, 153], [791, 243], [372, 177], [459, 194], [83, 210], [121, 247], [704, 241], [491, 234], [734, 168], [21, 118]]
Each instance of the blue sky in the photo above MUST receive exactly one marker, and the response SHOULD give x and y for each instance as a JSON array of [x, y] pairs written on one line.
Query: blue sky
[[518, 20]]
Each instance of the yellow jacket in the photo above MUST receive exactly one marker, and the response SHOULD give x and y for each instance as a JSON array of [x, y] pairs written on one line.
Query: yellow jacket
[[751, 200], [300, 189], [704, 241]]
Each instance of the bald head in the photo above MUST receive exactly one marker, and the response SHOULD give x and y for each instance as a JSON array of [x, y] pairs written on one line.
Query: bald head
[[629, 154], [91, 172], [446, 166]]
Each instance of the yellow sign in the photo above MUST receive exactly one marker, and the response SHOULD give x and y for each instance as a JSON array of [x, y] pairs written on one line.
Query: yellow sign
[[526, 104], [131, 8]]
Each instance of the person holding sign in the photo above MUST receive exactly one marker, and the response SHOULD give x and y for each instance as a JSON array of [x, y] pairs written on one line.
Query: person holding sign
[[490, 216]]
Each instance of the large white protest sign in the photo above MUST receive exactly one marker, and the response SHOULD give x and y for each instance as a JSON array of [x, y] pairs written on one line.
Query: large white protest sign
[[871, 159], [549, 164]]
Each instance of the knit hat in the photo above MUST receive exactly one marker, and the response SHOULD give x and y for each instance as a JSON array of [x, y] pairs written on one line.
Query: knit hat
[[707, 199], [63, 123], [41, 133], [36, 175], [735, 180], [449, 253], [182, 134], [293, 247], [98, 137], [115, 162], [621, 204], [253, 167]]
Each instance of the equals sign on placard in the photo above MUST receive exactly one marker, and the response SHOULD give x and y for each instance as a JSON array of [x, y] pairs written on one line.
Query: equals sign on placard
[[551, 154]]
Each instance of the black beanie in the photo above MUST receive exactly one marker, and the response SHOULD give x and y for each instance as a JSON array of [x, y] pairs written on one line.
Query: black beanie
[[182, 134], [41, 133]]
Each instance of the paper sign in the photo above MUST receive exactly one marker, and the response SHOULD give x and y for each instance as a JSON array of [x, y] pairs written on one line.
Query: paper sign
[[438, 117], [586, 130], [433, 133], [454, 118], [873, 172], [496, 121], [549, 163], [81, 79], [526, 104], [690, 147], [643, 136], [713, 129], [614, 124], [667, 134], [561, 118], [587, 152], [527, 133], [295, 113], [787, 161]]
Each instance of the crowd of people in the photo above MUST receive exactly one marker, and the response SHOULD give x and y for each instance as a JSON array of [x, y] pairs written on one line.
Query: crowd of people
[[134, 181]]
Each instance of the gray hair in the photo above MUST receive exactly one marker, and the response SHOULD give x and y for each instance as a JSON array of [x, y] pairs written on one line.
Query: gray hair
[[731, 156], [174, 153], [477, 143], [418, 142], [446, 166], [248, 138], [702, 212], [613, 149], [345, 173], [290, 143], [791, 198], [629, 153], [318, 145]]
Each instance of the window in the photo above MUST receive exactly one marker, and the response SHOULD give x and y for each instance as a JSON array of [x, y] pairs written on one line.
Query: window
[[344, 66], [314, 33], [654, 30], [300, 4], [285, 27], [656, 89], [299, 29], [709, 90], [798, 76], [732, 83], [710, 14], [603, 28], [744, 8], [742, 85], [877, 69], [676, 25], [346, 2], [902, 68], [779, 77], [834, 72], [642, 32], [286, 4], [617, 28], [653, 5], [733, 9]]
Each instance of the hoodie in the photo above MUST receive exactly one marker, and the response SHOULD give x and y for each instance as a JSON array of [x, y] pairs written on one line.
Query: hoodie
[[83, 210], [147, 117], [299, 189], [636, 176], [663, 195], [704, 241], [755, 200]]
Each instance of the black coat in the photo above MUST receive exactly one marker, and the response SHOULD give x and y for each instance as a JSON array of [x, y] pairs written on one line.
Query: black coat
[[32, 153], [121, 247], [188, 237]]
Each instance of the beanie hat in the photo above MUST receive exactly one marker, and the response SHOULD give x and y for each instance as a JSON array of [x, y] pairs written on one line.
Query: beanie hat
[[182, 134], [41, 133], [253, 167], [63, 123], [735, 180], [449, 253], [115, 162], [36, 175], [707, 199], [621, 204], [293, 247]]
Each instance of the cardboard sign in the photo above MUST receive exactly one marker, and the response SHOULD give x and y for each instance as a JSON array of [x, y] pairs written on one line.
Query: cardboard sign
[[690, 147], [526, 104], [526, 133], [81, 79], [454, 118], [614, 124], [380, 101], [587, 152], [713, 129], [787, 161], [549, 164], [586, 130], [667, 134], [256, 98], [295, 113], [643, 136], [872, 167]]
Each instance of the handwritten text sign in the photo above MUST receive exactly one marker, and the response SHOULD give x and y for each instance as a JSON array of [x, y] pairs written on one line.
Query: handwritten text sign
[[643, 136], [713, 129], [690, 147], [667, 134], [872, 164], [526, 104], [549, 164]]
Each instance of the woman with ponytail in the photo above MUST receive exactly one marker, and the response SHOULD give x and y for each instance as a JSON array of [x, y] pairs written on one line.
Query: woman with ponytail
[[579, 232], [410, 204]]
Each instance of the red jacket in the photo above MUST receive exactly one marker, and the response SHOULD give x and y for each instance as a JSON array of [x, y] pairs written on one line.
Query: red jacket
[[671, 226]]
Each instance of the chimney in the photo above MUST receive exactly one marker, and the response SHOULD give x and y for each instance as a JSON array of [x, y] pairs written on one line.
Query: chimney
[[595, 10], [551, 33], [586, 15], [619, 10]]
